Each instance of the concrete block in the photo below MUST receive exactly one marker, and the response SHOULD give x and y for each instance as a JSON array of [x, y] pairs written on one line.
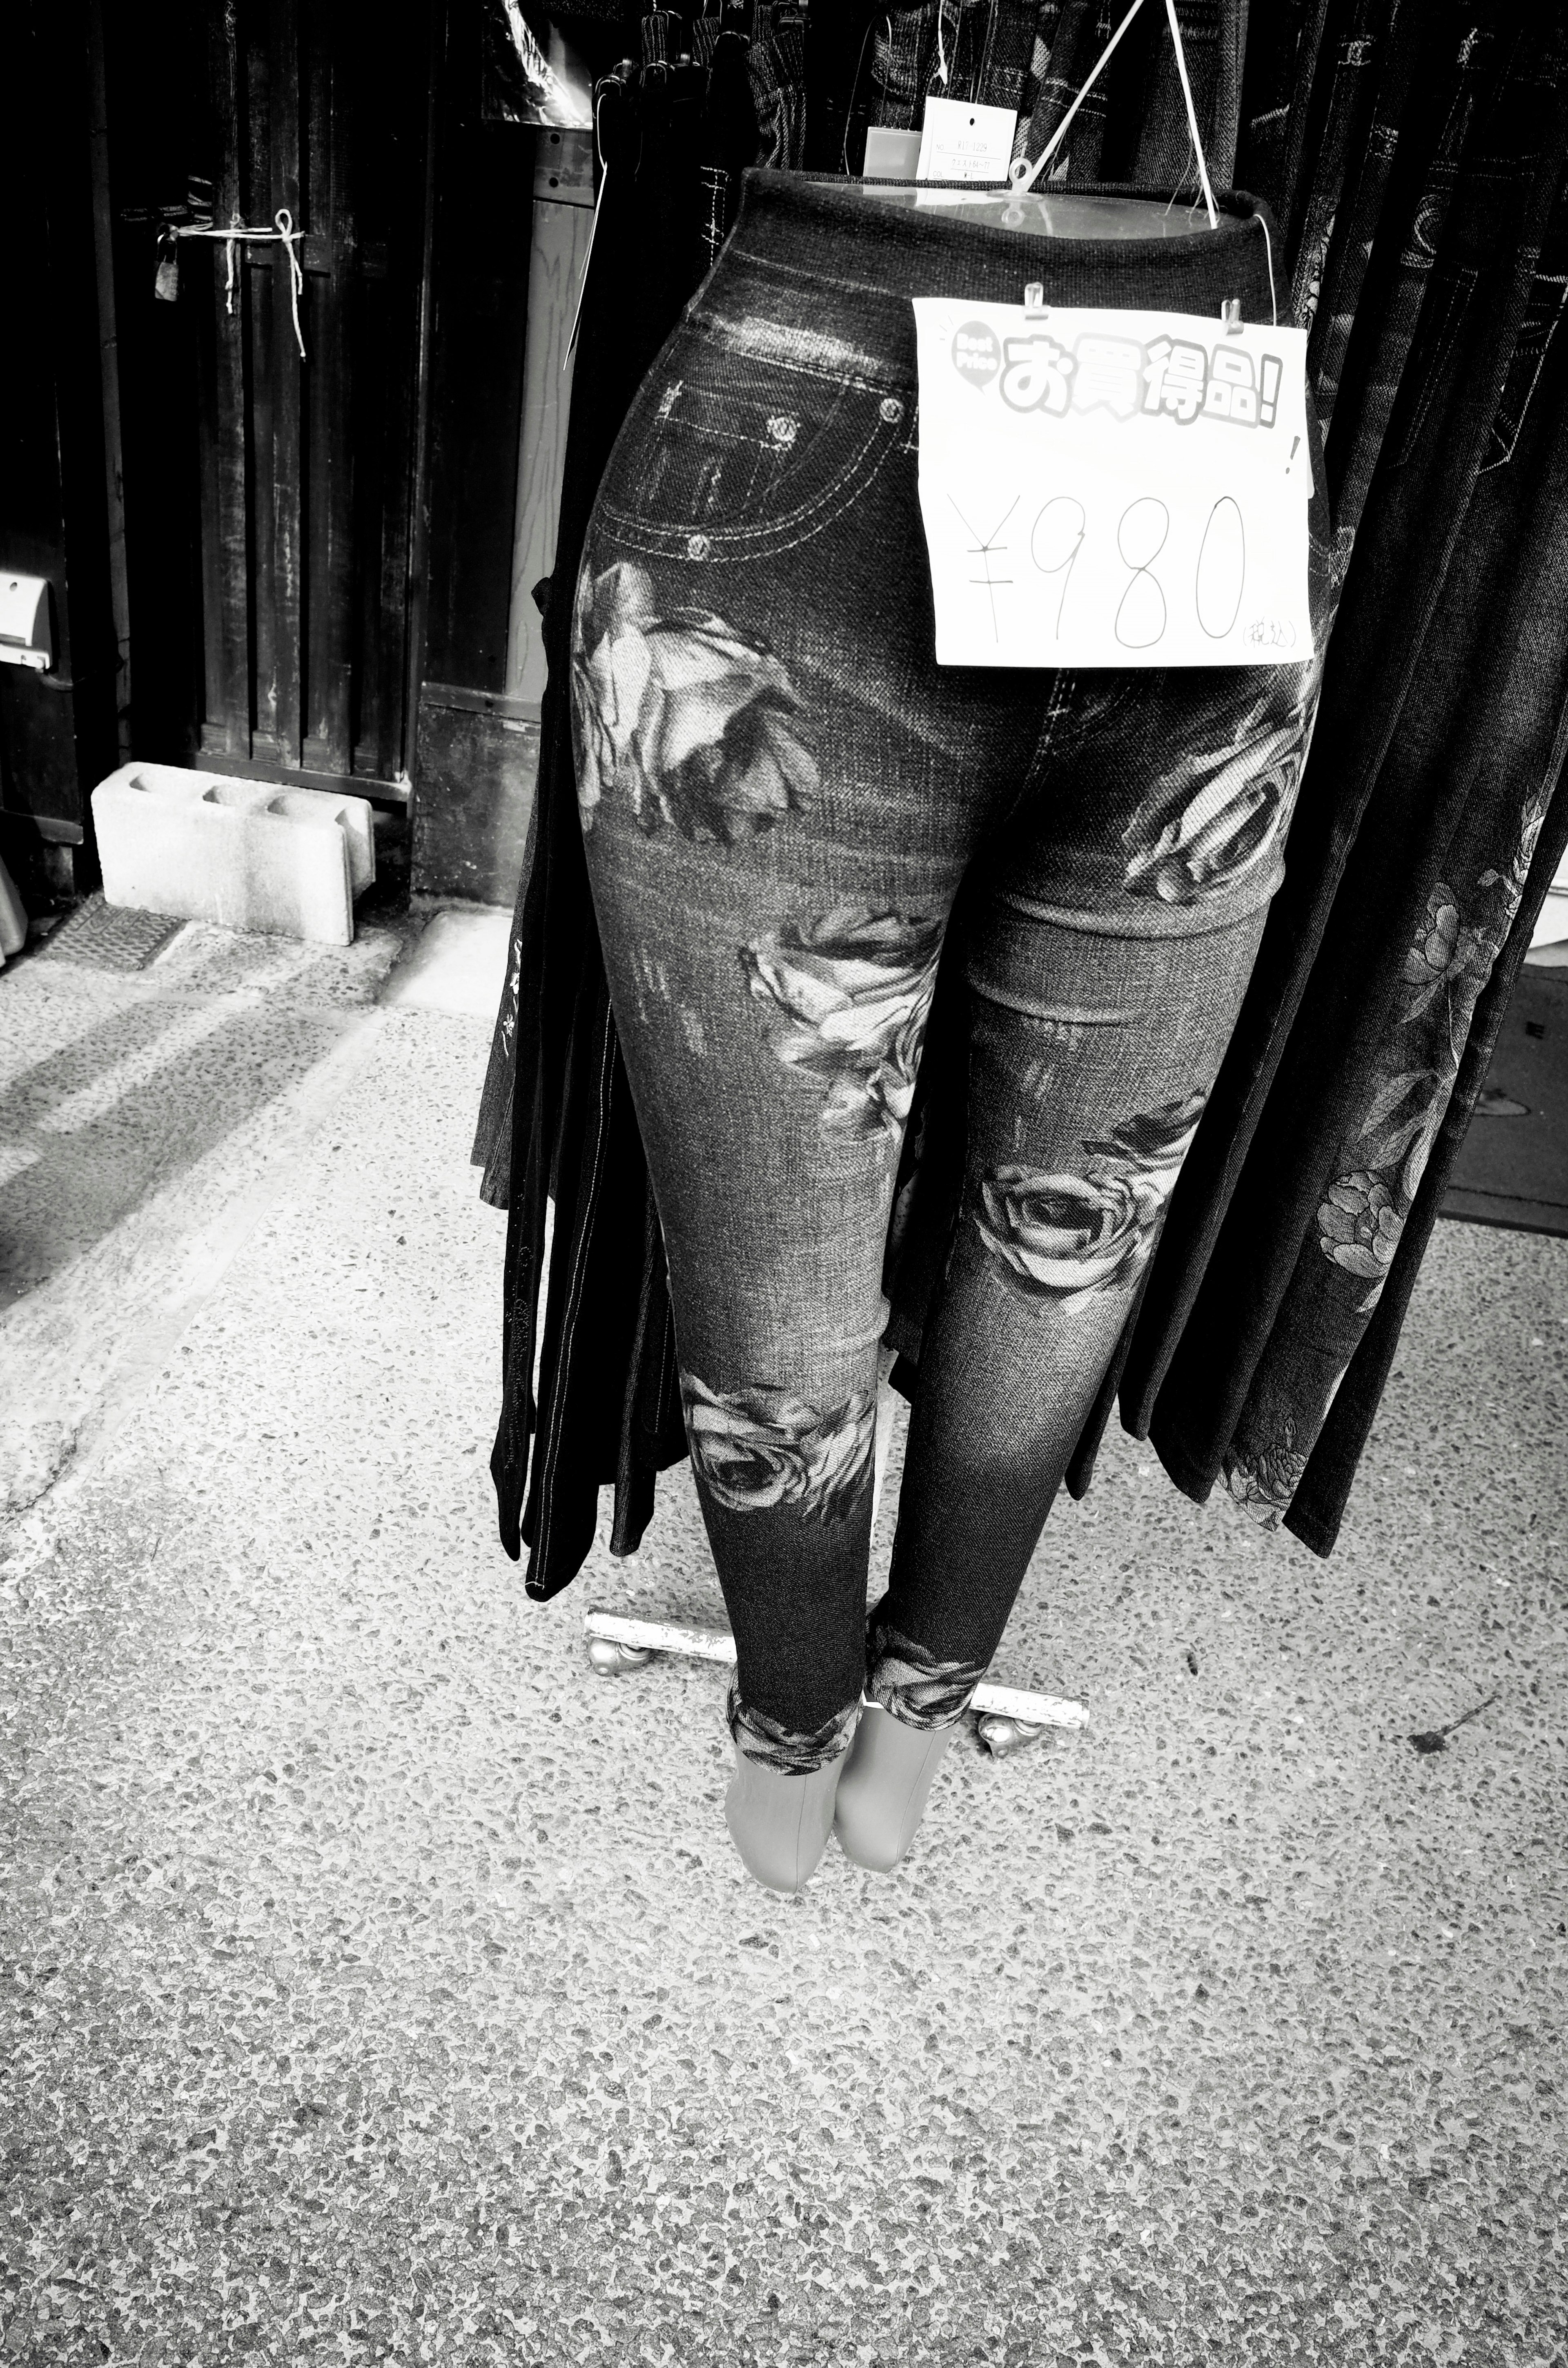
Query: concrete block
[[354, 815], [255, 856]]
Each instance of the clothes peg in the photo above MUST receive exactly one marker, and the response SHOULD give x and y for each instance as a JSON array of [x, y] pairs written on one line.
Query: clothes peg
[[1231, 313], [1034, 307]]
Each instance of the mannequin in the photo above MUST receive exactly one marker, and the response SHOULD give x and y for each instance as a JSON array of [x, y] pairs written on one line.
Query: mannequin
[[789, 809], [779, 1822]]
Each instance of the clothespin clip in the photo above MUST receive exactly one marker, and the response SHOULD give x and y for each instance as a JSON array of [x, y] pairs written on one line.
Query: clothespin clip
[[1034, 301], [1231, 313]]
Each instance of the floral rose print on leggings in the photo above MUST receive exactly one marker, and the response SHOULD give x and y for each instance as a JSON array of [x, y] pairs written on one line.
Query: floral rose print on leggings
[[847, 996], [761, 1446], [1221, 814], [698, 726], [1072, 1235], [905, 1678]]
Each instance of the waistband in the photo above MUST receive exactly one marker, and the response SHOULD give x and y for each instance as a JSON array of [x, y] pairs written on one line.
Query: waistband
[[829, 232]]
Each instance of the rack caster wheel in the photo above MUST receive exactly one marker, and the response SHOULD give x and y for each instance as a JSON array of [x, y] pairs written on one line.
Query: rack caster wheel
[[1002, 1736], [613, 1660]]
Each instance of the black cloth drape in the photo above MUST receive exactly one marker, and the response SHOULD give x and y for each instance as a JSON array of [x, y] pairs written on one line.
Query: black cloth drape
[[1412, 157]]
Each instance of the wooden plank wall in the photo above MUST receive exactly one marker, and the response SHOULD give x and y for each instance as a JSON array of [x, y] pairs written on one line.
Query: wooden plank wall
[[305, 465]]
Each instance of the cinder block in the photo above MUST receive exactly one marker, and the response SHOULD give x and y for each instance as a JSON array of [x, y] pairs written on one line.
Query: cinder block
[[353, 816], [249, 855], [356, 815]]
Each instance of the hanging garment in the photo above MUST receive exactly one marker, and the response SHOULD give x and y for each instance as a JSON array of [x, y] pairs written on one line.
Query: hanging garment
[[1429, 900], [1312, 1054]]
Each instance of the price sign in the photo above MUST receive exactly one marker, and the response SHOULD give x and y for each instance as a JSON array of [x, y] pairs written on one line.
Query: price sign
[[1113, 488]]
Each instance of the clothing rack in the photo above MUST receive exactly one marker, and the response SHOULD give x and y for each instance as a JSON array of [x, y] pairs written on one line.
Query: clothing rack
[[1006, 1718]]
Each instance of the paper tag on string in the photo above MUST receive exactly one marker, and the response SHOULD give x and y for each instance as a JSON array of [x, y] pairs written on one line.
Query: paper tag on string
[[965, 144], [166, 283], [1110, 488]]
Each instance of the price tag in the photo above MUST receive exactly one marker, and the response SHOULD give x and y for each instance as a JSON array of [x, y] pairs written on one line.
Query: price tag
[[1110, 488], [965, 144]]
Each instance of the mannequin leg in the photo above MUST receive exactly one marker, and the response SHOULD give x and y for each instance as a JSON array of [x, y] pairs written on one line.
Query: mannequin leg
[[771, 964], [883, 1792], [1086, 1085], [779, 1818]]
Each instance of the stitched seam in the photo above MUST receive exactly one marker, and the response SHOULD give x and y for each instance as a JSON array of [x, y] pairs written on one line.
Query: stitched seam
[[712, 327], [775, 534], [1136, 922], [1550, 330], [1461, 287]]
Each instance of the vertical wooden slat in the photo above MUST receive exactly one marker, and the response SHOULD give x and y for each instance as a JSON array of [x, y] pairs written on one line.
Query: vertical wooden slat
[[224, 578], [108, 379], [371, 363], [398, 314], [257, 207], [418, 469], [287, 389], [328, 513]]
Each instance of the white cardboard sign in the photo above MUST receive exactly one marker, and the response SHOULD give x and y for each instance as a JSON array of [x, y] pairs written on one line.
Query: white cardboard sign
[[1113, 488]]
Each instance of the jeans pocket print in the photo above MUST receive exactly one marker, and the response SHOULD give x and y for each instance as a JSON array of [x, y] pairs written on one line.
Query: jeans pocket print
[[1548, 298], [736, 452], [1436, 333]]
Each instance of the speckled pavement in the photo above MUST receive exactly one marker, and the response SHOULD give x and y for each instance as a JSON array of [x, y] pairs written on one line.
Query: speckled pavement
[[380, 1984]]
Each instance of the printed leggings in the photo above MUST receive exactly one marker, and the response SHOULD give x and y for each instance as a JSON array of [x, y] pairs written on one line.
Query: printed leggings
[[788, 808]]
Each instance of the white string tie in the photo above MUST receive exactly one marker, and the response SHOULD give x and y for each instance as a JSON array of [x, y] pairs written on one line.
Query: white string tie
[[1268, 249], [290, 238], [283, 233], [1192, 116]]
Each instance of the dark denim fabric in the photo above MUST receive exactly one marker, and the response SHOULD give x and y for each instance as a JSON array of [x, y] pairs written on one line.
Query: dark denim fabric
[[788, 808], [1282, 44], [1482, 113], [1036, 55], [1318, 200], [1213, 36], [1076, 41], [1427, 913], [1359, 212], [557, 1120], [1250, 1196], [1318, 1505]]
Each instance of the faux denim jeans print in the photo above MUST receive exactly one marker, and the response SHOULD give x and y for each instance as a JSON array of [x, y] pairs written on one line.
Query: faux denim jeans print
[[788, 808]]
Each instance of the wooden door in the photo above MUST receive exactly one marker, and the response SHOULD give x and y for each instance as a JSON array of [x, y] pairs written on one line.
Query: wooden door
[[309, 563]]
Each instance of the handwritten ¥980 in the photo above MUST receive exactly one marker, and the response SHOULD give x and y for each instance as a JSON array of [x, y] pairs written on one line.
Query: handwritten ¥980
[[1107, 488]]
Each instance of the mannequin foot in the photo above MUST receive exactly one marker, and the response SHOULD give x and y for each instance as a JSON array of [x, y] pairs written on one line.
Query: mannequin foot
[[881, 1794], [781, 1823]]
